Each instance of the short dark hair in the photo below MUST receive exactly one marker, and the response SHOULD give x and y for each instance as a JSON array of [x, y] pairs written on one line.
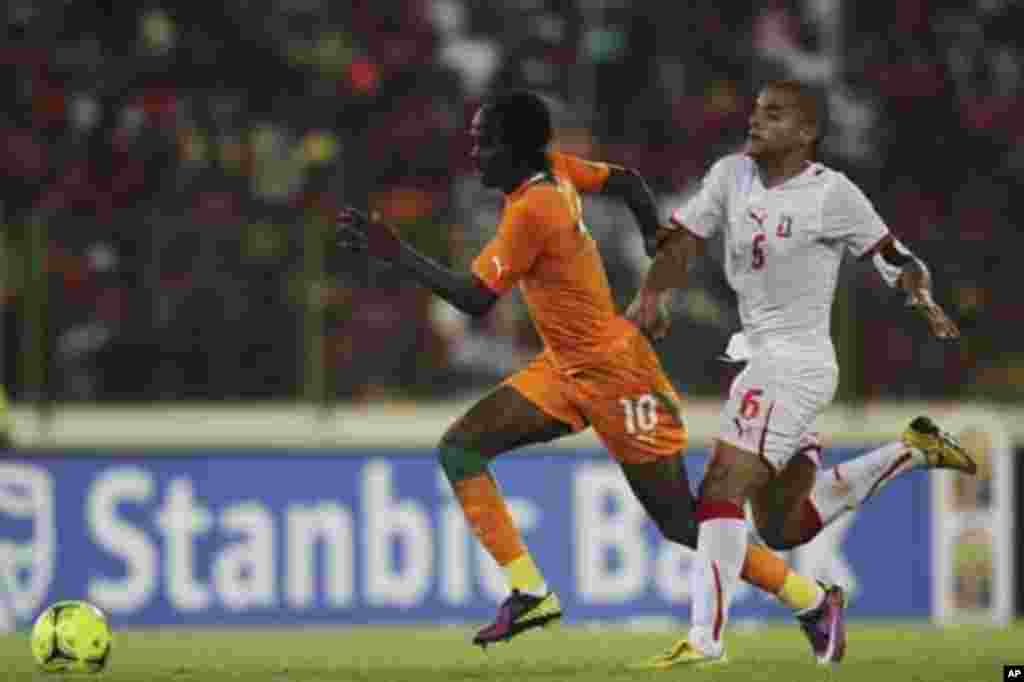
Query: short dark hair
[[524, 119], [810, 101]]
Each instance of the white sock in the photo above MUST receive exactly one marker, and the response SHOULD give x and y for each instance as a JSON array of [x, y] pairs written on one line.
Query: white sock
[[846, 485], [721, 548]]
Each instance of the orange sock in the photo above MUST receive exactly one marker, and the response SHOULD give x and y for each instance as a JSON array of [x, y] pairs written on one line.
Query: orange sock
[[489, 518], [764, 569]]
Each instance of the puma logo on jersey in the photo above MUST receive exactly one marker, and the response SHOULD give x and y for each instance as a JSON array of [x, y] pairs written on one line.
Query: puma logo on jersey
[[758, 215]]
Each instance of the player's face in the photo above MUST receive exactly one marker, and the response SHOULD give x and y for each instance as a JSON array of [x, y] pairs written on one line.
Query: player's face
[[486, 147], [777, 126]]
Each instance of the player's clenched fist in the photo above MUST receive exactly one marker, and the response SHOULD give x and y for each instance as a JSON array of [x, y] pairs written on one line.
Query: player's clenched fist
[[941, 325], [358, 232], [650, 313]]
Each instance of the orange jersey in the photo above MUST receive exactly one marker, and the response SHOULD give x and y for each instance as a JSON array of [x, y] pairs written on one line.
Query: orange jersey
[[543, 246]]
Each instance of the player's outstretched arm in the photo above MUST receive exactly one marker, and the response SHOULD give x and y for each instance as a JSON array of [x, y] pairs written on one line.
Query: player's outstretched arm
[[899, 267], [629, 186], [670, 270], [359, 233]]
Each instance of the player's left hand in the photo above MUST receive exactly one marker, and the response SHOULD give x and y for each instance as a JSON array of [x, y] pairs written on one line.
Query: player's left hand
[[358, 232], [941, 325], [650, 313]]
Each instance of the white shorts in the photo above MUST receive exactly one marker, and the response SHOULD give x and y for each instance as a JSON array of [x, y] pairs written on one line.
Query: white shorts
[[772, 403]]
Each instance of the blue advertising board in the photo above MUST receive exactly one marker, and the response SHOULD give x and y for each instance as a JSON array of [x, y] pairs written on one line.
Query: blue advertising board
[[253, 538]]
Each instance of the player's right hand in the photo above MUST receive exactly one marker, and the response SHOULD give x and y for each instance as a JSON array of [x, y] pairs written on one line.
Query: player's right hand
[[358, 232], [650, 313]]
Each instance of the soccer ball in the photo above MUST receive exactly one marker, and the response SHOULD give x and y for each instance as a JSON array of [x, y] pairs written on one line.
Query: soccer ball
[[71, 636]]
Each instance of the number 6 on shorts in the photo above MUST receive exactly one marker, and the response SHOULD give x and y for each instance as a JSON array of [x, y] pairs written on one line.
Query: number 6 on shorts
[[750, 406]]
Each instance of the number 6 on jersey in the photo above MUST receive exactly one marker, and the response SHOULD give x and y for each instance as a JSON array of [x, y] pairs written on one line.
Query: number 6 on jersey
[[758, 250]]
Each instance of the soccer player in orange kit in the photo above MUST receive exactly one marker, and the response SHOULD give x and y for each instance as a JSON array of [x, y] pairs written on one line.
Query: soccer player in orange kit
[[596, 368]]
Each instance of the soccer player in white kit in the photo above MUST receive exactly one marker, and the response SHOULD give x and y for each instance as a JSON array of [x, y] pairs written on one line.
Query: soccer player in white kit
[[786, 223]]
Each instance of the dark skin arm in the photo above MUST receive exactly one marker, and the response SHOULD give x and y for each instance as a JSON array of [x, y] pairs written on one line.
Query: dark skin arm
[[630, 187], [916, 282], [465, 291], [677, 249], [462, 289], [360, 233]]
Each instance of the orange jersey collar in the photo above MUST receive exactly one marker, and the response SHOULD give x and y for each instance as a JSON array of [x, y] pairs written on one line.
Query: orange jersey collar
[[526, 184]]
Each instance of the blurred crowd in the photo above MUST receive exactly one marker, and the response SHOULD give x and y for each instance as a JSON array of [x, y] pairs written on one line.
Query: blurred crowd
[[170, 171]]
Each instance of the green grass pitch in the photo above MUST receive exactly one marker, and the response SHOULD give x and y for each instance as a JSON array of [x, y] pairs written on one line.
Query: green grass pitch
[[877, 653]]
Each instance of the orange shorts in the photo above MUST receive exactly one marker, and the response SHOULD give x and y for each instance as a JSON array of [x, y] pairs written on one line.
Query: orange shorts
[[628, 399]]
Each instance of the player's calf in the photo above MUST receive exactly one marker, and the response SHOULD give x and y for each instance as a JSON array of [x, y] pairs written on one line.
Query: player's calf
[[785, 525], [781, 511], [663, 489], [732, 476]]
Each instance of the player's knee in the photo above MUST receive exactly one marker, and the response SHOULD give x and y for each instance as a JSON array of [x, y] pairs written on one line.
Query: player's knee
[[675, 517], [460, 457], [453, 437], [733, 475], [680, 532], [684, 527]]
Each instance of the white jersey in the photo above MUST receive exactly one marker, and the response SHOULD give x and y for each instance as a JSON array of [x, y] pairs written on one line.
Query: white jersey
[[783, 248]]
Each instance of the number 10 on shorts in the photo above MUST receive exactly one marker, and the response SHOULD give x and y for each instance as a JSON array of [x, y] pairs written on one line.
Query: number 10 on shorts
[[641, 413]]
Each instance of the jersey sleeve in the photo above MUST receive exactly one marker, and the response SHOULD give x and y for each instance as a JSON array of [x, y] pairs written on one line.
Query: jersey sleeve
[[848, 217], [586, 176], [706, 212], [522, 236]]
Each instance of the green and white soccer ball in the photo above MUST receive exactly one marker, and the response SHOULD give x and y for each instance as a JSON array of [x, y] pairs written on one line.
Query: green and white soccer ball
[[72, 636]]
